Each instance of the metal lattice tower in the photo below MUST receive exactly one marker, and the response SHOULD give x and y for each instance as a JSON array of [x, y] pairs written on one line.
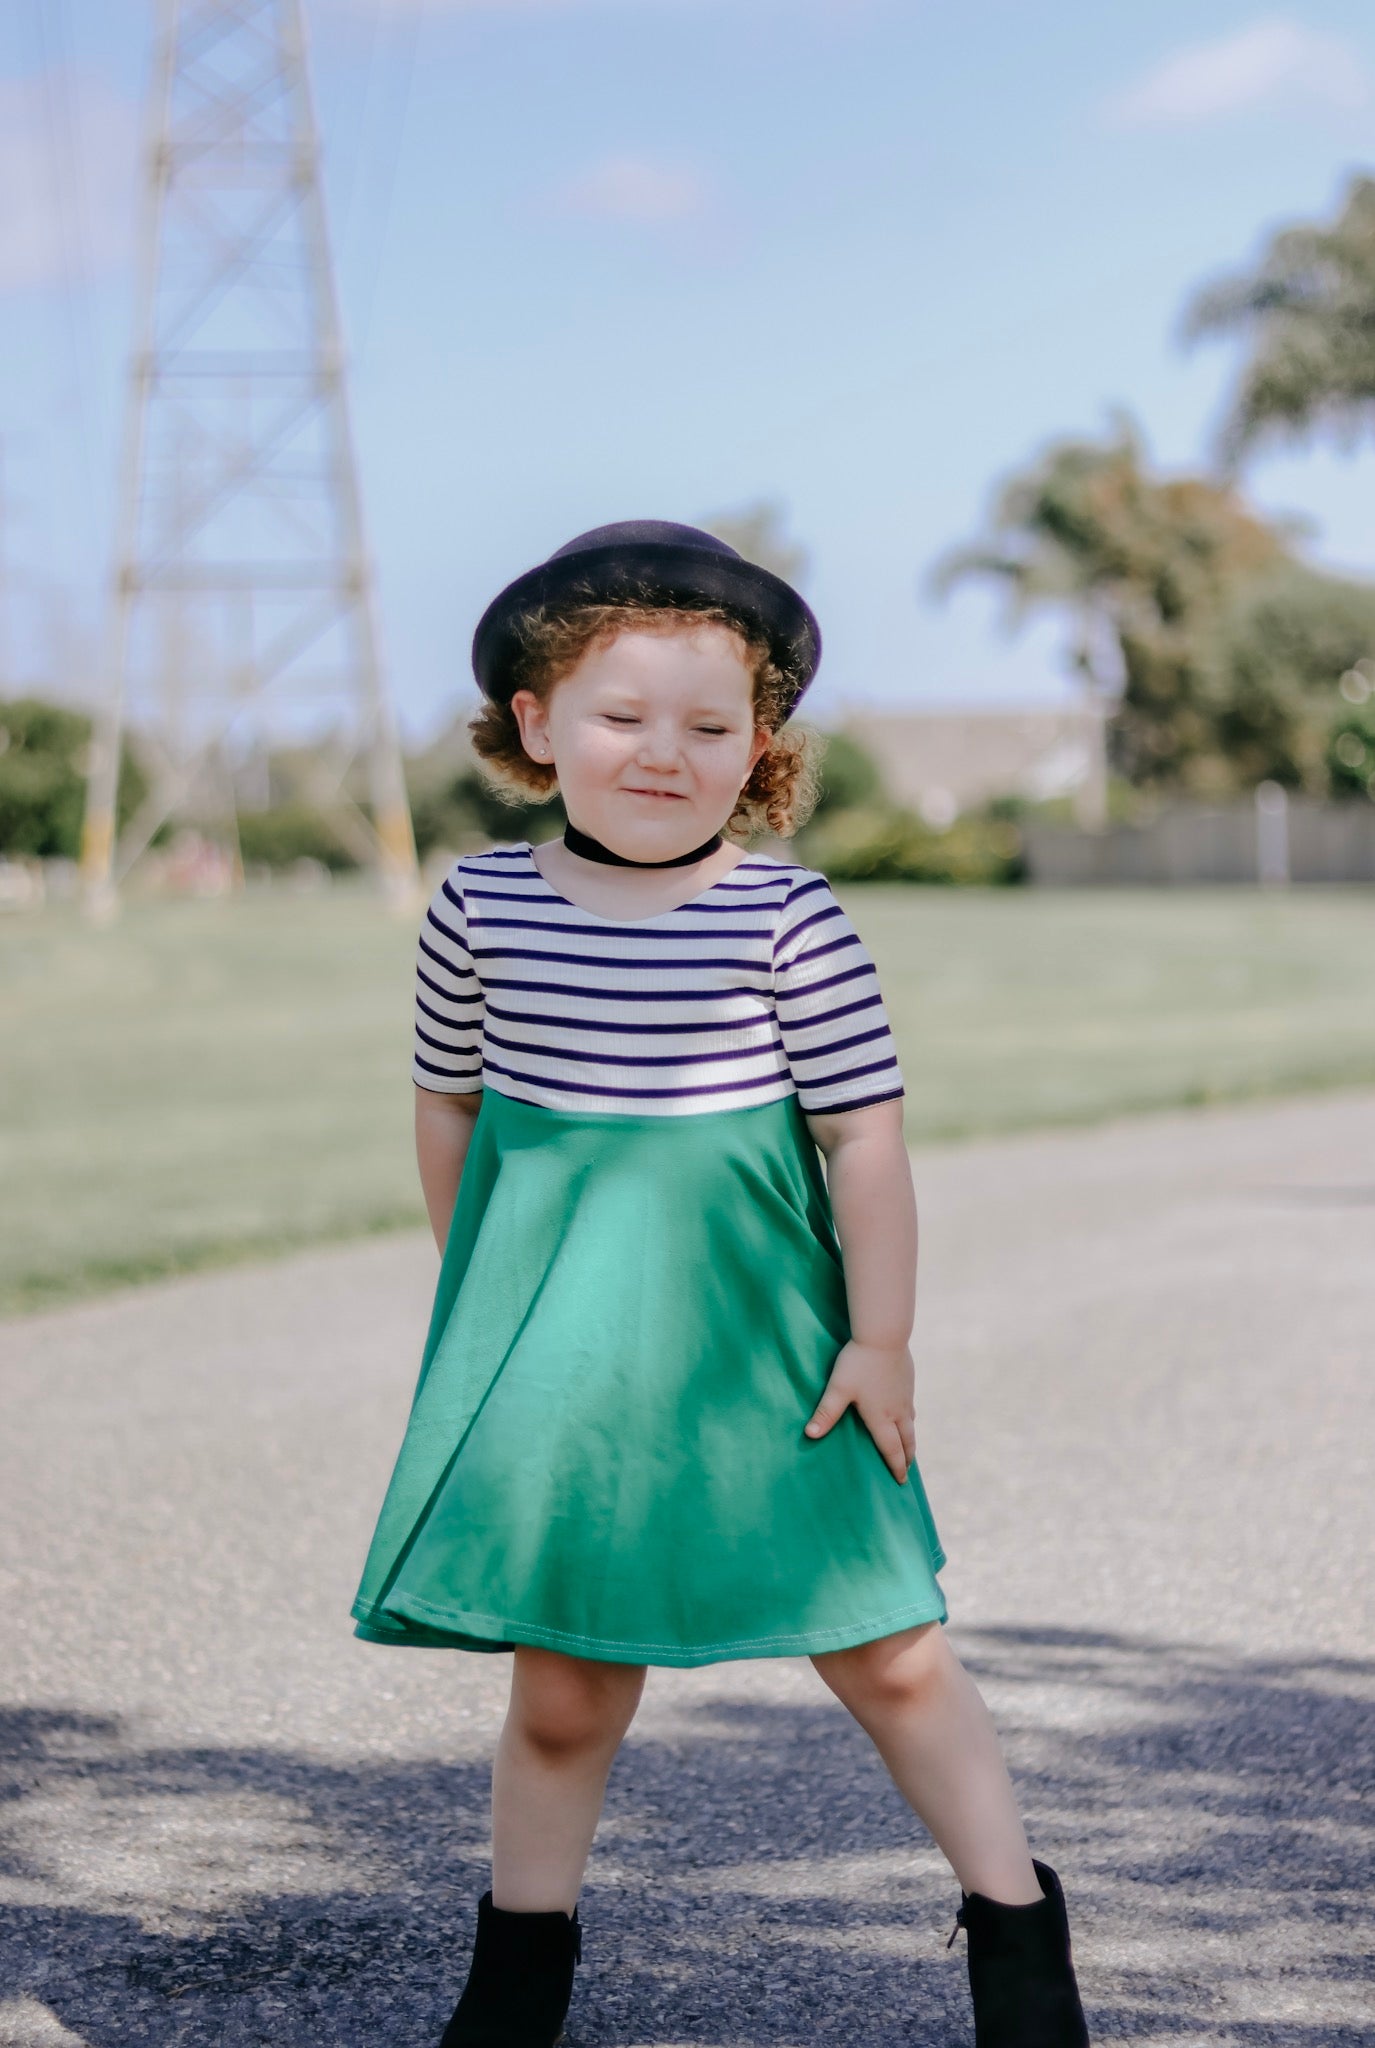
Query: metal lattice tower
[[243, 610]]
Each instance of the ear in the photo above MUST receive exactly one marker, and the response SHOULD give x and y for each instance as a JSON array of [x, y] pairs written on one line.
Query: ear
[[762, 740], [532, 717]]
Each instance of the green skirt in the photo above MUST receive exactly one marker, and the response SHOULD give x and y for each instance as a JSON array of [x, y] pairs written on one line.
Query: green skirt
[[634, 1319]]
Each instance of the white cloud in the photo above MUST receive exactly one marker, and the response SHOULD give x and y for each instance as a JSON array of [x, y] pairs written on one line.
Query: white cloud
[[1273, 63], [68, 158], [634, 188]]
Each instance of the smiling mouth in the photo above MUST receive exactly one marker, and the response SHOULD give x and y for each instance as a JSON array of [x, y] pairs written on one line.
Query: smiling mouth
[[672, 794]]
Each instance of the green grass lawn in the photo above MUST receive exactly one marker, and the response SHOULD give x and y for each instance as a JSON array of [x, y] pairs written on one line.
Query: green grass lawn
[[202, 1082]]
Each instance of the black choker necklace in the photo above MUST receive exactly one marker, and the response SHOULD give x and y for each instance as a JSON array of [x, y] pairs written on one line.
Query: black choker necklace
[[592, 849]]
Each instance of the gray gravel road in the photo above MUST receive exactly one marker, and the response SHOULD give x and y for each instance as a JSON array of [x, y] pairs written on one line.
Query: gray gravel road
[[1144, 1421]]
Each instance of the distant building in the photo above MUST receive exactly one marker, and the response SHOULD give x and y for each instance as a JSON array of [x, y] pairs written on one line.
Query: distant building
[[940, 763]]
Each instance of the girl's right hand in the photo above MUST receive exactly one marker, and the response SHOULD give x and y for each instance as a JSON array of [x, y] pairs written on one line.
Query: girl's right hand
[[880, 1383]]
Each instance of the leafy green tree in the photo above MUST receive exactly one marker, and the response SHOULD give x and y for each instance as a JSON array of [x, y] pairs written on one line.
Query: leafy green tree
[[450, 807], [849, 776], [292, 831], [1227, 648], [43, 757], [1351, 753], [1351, 742], [1306, 312], [1289, 638], [1088, 531], [888, 844], [757, 533]]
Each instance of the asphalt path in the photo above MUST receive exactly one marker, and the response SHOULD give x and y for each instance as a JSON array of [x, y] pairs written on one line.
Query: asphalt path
[[1144, 1422]]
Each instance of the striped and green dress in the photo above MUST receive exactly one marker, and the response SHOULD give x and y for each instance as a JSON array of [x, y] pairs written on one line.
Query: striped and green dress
[[642, 1295]]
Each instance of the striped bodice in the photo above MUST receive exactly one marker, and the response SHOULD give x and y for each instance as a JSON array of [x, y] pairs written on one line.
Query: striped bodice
[[757, 988]]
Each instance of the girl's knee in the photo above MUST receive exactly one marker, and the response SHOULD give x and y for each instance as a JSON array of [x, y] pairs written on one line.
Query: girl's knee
[[565, 1706], [891, 1674]]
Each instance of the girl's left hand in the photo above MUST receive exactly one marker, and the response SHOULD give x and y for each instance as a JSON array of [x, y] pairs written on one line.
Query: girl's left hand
[[880, 1384]]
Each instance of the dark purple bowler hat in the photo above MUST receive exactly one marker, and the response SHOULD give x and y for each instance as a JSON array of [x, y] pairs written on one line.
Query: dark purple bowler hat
[[654, 561]]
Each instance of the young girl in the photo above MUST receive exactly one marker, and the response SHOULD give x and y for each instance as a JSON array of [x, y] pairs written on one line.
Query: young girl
[[665, 1407]]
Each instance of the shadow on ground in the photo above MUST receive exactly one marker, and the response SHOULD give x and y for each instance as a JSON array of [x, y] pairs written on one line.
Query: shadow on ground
[[758, 1879]]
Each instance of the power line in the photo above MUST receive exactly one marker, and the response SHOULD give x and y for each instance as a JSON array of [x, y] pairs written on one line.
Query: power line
[[408, 36], [64, 161], [347, 183]]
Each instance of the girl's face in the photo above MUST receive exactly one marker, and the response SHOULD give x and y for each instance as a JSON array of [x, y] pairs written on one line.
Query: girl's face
[[652, 737]]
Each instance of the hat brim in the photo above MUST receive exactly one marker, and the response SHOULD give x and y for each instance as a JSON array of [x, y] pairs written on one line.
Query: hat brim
[[652, 573]]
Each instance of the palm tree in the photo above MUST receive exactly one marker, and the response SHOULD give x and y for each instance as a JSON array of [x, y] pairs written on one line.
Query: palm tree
[[1307, 313], [757, 533], [1141, 564]]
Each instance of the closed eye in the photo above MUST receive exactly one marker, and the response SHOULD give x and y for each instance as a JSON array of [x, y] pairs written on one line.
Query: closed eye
[[625, 718]]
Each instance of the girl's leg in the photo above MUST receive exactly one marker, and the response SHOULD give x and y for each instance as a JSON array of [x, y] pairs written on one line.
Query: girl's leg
[[563, 1726], [927, 1719]]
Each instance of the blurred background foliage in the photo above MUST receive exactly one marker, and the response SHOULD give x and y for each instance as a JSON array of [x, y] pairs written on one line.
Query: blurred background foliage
[[884, 843], [1280, 716], [43, 762], [1222, 653]]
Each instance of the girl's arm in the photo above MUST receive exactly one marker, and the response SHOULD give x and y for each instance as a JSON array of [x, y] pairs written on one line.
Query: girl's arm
[[870, 1183], [443, 1128]]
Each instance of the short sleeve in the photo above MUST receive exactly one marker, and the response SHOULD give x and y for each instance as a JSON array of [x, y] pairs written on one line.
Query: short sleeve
[[448, 998], [831, 1018]]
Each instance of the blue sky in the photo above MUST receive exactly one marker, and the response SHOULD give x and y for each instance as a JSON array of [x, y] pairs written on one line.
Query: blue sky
[[612, 258]]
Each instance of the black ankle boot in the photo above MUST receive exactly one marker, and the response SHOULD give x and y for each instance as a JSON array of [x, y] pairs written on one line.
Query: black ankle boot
[[1021, 1977], [520, 1980]]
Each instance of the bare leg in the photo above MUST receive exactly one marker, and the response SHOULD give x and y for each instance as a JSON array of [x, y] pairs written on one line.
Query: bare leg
[[563, 1726], [927, 1719]]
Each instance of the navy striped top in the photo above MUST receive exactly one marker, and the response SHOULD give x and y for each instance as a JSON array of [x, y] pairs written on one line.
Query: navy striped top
[[756, 989]]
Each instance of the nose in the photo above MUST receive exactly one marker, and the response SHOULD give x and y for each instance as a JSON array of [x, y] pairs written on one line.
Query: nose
[[658, 748]]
